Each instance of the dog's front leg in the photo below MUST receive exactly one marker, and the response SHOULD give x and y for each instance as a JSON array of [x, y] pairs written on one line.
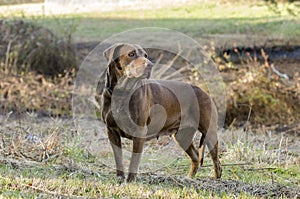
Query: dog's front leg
[[115, 141], [137, 150]]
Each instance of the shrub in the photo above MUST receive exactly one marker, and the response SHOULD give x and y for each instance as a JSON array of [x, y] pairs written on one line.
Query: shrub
[[26, 47], [271, 100]]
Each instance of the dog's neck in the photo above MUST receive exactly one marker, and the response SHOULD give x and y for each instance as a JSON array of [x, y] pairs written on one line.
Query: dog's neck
[[124, 84]]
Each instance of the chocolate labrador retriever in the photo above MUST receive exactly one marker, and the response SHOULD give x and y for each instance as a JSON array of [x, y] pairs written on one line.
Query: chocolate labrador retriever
[[138, 108]]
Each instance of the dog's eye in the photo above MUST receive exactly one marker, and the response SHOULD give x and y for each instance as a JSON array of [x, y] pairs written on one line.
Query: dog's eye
[[146, 56], [131, 54]]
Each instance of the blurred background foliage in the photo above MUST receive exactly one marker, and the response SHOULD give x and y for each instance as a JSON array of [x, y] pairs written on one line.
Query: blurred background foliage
[[40, 54]]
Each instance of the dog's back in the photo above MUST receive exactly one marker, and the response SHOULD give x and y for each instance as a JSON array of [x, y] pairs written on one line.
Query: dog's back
[[185, 106]]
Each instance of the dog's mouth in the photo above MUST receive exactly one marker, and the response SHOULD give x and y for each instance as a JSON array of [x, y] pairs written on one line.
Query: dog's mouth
[[139, 72]]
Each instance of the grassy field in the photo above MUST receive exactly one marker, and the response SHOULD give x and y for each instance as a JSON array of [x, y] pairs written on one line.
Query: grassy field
[[196, 20], [48, 157], [40, 157]]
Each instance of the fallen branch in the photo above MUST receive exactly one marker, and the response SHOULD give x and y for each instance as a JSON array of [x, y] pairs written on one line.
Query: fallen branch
[[231, 164], [25, 163], [258, 169], [282, 75]]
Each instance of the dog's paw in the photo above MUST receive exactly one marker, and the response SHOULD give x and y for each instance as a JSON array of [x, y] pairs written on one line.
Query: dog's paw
[[218, 172], [120, 176], [120, 179], [131, 177]]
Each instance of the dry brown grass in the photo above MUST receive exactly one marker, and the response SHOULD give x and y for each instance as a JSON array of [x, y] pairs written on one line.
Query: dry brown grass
[[34, 92], [270, 99]]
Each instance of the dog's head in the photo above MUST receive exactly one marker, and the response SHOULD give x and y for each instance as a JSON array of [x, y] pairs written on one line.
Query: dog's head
[[128, 60]]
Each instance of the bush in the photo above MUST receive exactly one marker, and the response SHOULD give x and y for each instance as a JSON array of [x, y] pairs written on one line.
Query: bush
[[26, 47], [271, 100]]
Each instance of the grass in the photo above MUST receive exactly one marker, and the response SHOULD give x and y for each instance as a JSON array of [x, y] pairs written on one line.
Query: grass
[[256, 165], [68, 163], [36, 181], [195, 20]]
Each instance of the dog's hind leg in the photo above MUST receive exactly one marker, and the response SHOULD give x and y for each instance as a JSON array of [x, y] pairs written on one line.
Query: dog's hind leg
[[213, 150], [115, 142], [208, 127], [184, 138], [211, 141]]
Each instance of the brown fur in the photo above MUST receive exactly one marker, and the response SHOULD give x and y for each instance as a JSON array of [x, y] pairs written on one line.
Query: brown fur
[[128, 69]]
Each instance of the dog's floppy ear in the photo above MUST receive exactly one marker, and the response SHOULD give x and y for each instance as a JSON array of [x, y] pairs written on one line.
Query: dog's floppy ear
[[112, 53]]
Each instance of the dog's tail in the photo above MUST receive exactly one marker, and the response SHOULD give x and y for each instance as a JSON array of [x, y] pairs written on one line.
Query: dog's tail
[[201, 149]]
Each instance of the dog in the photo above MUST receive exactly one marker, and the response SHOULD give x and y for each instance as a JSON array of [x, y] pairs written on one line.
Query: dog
[[155, 108]]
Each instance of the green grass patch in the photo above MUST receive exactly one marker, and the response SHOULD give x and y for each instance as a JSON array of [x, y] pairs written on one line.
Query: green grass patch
[[36, 181], [195, 20], [251, 169]]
